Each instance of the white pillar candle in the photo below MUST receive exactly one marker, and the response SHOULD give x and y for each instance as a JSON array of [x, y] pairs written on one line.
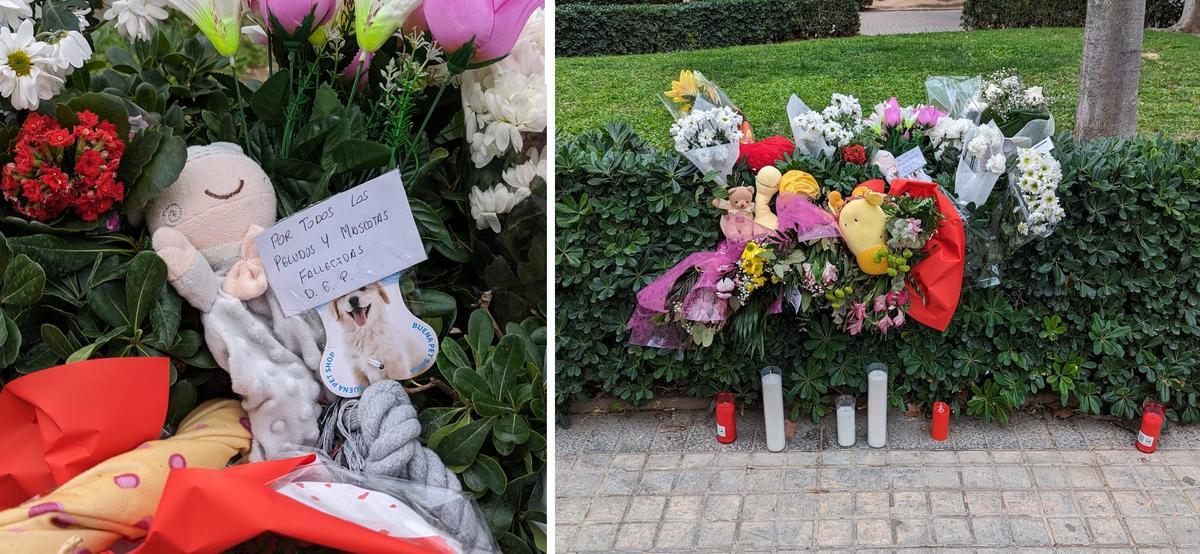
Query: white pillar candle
[[772, 387], [845, 420], [876, 405]]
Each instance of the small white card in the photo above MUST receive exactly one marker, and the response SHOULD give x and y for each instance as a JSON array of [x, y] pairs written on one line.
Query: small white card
[[911, 165], [350, 240], [1045, 146]]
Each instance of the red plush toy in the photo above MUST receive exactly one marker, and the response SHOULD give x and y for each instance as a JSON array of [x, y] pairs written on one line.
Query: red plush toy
[[766, 151]]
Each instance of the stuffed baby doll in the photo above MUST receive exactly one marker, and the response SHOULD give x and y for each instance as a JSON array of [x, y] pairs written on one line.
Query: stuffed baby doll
[[204, 225]]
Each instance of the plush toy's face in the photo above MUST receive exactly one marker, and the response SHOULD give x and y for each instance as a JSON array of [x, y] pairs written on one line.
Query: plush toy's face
[[864, 227], [218, 195], [741, 198]]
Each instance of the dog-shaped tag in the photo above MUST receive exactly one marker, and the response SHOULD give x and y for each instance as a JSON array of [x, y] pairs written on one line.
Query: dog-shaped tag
[[371, 335]]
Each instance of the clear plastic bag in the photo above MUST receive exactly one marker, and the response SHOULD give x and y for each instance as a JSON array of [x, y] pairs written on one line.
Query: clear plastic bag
[[957, 96], [393, 506], [973, 181], [720, 158], [706, 91], [1033, 133], [808, 142]]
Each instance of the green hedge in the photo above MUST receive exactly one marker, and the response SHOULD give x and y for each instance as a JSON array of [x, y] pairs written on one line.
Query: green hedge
[[584, 29], [1103, 313], [1008, 14]]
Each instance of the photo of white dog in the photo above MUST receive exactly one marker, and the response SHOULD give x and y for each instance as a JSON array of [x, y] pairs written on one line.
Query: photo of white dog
[[371, 335]]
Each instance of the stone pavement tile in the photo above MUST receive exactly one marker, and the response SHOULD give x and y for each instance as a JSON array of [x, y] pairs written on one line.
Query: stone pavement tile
[[645, 508], [564, 462], [1013, 477], [1121, 477], [908, 478], [1148, 531], [593, 462], [570, 510], [595, 538], [1107, 530], [837, 457], [760, 507], [733, 460], [564, 537], [1156, 477], [635, 436], [1029, 531], [942, 478], [872, 503], [655, 481], [698, 460], [607, 509], [683, 508], [635, 536], [873, 532], [1095, 503], [578, 484], [947, 503], [984, 503], [794, 534], [726, 507], [974, 457], [767, 459], [1067, 437], [1101, 433], [693, 481], [617, 482], [1058, 503], [1194, 496], [663, 461], [913, 532], [1123, 457], [764, 479], [873, 458], [676, 535], [1077, 458], [835, 532], [800, 478], [1085, 478], [952, 531], [1187, 475], [1007, 457], [1032, 432], [808, 436], [756, 534], [1184, 530], [1132, 503], [1042, 457], [991, 531], [671, 437], [729, 480], [1050, 477], [979, 477], [837, 477], [628, 460], [719, 535], [1169, 502], [910, 503], [798, 505], [973, 434], [835, 504], [1021, 503], [1069, 531], [802, 459]]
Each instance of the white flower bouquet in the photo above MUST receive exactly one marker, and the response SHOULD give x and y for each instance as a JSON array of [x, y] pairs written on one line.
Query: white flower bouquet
[[835, 126], [981, 163], [710, 139], [1034, 185]]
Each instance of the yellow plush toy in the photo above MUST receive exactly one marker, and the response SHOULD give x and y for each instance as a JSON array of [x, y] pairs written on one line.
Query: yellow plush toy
[[795, 183], [766, 184], [863, 226]]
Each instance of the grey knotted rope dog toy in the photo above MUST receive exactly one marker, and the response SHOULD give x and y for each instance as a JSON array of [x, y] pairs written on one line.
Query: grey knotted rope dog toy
[[381, 435]]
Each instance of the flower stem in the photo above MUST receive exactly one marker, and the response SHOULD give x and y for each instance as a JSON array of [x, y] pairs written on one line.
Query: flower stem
[[362, 57], [285, 147], [237, 90], [437, 99]]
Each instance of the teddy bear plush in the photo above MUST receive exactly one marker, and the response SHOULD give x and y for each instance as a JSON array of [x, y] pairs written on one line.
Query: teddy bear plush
[[204, 225], [738, 222]]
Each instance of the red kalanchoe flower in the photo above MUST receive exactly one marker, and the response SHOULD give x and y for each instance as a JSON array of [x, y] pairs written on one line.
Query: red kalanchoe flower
[[38, 185], [854, 154]]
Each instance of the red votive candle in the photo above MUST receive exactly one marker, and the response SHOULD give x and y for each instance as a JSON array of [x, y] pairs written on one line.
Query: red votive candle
[[726, 418], [1152, 421]]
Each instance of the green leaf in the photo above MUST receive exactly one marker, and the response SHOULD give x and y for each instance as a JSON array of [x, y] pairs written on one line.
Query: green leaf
[[485, 474], [59, 255], [56, 340], [486, 405], [138, 152], [436, 437], [166, 315], [24, 281], [359, 155], [107, 301], [161, 172], [508, 364], [451, 357], [270, 100], [460, 446], [5, 254], [181, 402], [512, 429], [57, 16], [12, 341], [145, 277], [37, 358], [468, 383], [109, 107], [480, 334]]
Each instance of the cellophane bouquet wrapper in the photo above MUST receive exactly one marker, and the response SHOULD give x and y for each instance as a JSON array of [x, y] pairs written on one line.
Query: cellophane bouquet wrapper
[[808, 143], [957, 96]]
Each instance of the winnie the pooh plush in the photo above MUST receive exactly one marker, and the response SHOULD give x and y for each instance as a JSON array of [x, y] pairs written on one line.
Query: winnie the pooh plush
[[738, 223], [863, 226], [204, 225]]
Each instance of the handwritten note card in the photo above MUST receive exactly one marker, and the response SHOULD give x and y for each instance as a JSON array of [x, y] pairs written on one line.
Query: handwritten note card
[[349, 241], [911, 165]]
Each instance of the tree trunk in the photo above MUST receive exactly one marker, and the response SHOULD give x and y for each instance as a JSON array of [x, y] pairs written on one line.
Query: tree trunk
[[1112, 62], [1189, 22]]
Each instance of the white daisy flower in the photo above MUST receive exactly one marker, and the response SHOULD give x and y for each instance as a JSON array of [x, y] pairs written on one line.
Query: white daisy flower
[[70, 49], [27, 68], [488, 205], [135, 19], [12, 12]]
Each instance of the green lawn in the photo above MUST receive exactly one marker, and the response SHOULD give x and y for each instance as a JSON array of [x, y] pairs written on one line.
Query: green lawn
[[594, 91]]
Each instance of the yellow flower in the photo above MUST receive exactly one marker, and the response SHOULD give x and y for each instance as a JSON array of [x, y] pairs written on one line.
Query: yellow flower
[[684, 90], [752, 251]]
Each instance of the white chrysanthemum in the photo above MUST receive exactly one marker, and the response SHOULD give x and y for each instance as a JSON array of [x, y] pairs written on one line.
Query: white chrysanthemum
[[27, 68], [12, 12], [70, 50], [488, 205], [996, 163], [507, 99], [135, 19], [520, 177]]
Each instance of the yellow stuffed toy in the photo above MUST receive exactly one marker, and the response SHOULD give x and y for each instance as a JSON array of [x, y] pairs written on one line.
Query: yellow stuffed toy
[[795, 183], [863, 226]]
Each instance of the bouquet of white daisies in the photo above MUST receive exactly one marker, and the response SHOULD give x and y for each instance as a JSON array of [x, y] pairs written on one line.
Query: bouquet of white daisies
[[1034, 182], [835, 126], [709, 136]]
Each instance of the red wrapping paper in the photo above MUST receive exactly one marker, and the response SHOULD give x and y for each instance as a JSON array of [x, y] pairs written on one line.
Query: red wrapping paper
[[939, 276], [208, 511], [59, 422]]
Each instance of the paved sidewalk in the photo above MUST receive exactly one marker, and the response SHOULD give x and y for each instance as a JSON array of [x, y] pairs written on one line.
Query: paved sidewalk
[[909, 21], [655, 482]]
